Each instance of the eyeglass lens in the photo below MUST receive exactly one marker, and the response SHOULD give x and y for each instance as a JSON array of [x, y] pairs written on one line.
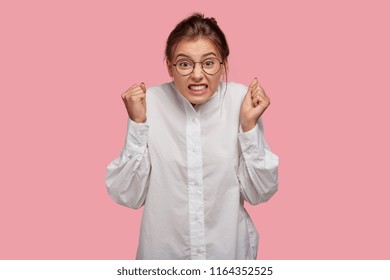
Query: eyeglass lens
[[186, 66]]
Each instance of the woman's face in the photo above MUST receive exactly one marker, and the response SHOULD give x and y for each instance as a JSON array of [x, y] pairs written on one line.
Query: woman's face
[[198, 86]]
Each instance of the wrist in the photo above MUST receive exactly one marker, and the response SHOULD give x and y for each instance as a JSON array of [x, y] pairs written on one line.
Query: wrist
[[246, 126], [138, 120]]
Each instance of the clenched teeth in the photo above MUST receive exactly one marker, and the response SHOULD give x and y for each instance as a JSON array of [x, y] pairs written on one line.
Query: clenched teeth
[[197, 87]]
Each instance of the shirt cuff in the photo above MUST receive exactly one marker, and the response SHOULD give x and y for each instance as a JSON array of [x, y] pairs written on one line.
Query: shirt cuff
[[137, 136], [251, 142]]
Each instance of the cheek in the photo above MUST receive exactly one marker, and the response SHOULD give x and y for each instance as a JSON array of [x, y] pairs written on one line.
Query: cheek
[[215, 81], [180, 82]]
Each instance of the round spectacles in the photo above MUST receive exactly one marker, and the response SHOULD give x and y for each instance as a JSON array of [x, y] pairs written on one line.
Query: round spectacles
[[186, 66]]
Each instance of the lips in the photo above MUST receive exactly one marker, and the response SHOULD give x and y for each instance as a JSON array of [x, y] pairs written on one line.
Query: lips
[[197, 87]]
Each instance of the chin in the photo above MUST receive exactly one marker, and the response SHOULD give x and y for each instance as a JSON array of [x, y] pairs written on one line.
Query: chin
[[197, 100]]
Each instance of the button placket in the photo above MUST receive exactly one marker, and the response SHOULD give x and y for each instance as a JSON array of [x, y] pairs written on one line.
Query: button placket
[[195, 187]]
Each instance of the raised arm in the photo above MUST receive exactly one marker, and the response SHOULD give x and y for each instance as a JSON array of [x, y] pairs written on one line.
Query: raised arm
[[127, 177], [258, 167]]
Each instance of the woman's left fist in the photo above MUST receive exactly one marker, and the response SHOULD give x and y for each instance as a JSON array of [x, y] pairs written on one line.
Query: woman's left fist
[[253, 106]]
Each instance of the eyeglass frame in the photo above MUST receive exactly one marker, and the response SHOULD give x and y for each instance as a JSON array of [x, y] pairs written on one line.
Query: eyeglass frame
[[201, 66]]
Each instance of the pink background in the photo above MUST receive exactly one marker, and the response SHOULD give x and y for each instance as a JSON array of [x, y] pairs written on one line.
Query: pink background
[[324, 65]]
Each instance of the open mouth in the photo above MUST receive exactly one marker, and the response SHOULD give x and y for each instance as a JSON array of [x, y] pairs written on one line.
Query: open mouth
[[198, 89]]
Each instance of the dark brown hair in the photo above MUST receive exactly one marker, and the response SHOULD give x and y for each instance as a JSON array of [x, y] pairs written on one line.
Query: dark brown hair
[[194, 27]]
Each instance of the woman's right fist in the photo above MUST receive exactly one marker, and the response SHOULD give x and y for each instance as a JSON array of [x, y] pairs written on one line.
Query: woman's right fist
[[134, 99]]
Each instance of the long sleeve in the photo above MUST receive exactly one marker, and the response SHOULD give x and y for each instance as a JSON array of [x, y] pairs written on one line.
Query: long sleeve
[[127, 177], [258, 167]]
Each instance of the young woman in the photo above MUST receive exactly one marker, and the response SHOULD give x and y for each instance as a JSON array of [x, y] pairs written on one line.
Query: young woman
[[194, 152]]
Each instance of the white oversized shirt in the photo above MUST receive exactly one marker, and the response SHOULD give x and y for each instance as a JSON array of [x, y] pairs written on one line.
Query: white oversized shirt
[[192, 167]]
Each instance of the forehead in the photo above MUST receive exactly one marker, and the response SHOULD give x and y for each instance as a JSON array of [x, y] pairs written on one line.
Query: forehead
[[195, 49]]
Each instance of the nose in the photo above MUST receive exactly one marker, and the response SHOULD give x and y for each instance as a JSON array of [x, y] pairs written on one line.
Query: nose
[[197, 74]]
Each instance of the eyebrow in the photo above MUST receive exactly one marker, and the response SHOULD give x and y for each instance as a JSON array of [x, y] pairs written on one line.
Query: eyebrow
[[206, 54]]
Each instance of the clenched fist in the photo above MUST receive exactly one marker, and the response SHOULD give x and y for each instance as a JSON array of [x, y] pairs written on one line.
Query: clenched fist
[[134, 99], [253, 106]]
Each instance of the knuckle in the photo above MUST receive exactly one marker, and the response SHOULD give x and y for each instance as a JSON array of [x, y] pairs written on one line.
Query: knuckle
[[133, 98]]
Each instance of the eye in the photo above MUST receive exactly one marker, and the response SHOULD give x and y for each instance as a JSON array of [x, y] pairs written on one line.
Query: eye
[[208, 63], [185, 64]]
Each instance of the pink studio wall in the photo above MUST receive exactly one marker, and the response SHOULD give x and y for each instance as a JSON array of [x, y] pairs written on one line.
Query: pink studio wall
[[63, 66]]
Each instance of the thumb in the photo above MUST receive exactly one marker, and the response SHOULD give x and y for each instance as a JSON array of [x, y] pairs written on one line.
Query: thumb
[[248, 95], [142, 85], [253, 83]]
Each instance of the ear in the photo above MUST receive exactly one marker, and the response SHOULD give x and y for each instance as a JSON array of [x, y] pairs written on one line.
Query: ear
[[169, 67], [224, 68]]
